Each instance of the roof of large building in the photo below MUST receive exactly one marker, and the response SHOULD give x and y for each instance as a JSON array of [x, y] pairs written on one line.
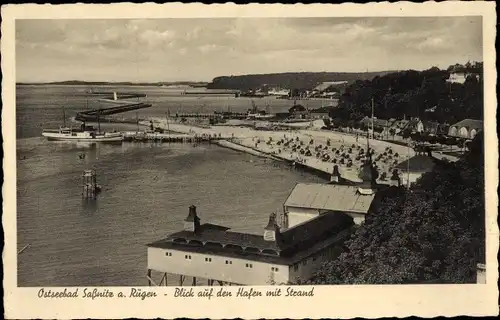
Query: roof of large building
[[289, 247], [329, 197], [470, 124]]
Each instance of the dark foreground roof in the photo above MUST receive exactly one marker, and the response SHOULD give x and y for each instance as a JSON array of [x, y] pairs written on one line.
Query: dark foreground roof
[[289, 247]]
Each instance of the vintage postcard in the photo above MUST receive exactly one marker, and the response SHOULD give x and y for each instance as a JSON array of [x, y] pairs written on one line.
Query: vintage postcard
[[253, 161]]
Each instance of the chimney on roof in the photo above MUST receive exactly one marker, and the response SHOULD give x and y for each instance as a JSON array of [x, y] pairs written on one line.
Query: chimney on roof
[[336, 174], [192, 221], [272, 229], [395, 179]]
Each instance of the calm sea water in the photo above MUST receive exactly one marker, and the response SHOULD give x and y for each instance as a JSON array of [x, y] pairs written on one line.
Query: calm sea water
[[147, 189]]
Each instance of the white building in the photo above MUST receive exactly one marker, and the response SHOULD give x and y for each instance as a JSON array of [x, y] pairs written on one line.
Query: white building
[[277, 256], [457, 77]]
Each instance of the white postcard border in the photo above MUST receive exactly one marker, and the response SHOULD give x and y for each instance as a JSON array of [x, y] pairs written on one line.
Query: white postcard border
[[328, 301]]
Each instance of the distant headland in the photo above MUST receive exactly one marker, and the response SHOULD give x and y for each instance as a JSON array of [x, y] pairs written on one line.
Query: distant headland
[[123, 83]]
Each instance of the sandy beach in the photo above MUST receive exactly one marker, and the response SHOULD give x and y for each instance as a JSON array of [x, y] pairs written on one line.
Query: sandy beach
[[318, 149]]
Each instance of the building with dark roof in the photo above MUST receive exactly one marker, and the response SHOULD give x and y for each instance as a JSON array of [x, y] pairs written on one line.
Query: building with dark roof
[[279, 255], [467, 128]]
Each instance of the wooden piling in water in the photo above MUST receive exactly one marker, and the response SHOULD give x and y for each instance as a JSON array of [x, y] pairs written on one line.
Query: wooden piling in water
[[90, 186]]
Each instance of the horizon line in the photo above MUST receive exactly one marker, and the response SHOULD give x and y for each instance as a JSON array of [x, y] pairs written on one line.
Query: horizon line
[[200, 81]]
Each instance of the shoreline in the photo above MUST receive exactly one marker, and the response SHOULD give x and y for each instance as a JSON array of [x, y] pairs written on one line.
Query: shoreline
[[284, 145]]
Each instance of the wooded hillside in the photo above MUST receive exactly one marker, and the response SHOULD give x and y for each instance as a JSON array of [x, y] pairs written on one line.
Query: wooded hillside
[[411, 93], [291, 80]]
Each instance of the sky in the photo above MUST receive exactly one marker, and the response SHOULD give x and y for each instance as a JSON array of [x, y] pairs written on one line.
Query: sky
[[181, 49]]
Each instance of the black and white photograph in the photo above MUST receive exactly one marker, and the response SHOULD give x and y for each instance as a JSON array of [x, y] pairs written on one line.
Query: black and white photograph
[[294, 152]]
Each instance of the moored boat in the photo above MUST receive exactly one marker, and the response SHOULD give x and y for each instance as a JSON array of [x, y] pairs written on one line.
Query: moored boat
[[83, 134], [88, 134]]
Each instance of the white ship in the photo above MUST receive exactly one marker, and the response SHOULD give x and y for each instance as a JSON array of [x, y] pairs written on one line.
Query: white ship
[[88, 134], [83, 134]]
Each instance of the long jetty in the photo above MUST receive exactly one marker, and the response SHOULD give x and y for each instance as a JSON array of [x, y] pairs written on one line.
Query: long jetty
[[132, 136], [215, 115]]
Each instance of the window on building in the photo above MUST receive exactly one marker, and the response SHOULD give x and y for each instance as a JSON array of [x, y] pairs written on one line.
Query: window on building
[[296, 267], [168, 254], [314, 258], [187, 256], [274, 269], [208, 259], [248, 265], [229, 262]]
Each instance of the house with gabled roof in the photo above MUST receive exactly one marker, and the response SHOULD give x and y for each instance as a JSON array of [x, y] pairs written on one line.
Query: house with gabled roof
[[415, 125]]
